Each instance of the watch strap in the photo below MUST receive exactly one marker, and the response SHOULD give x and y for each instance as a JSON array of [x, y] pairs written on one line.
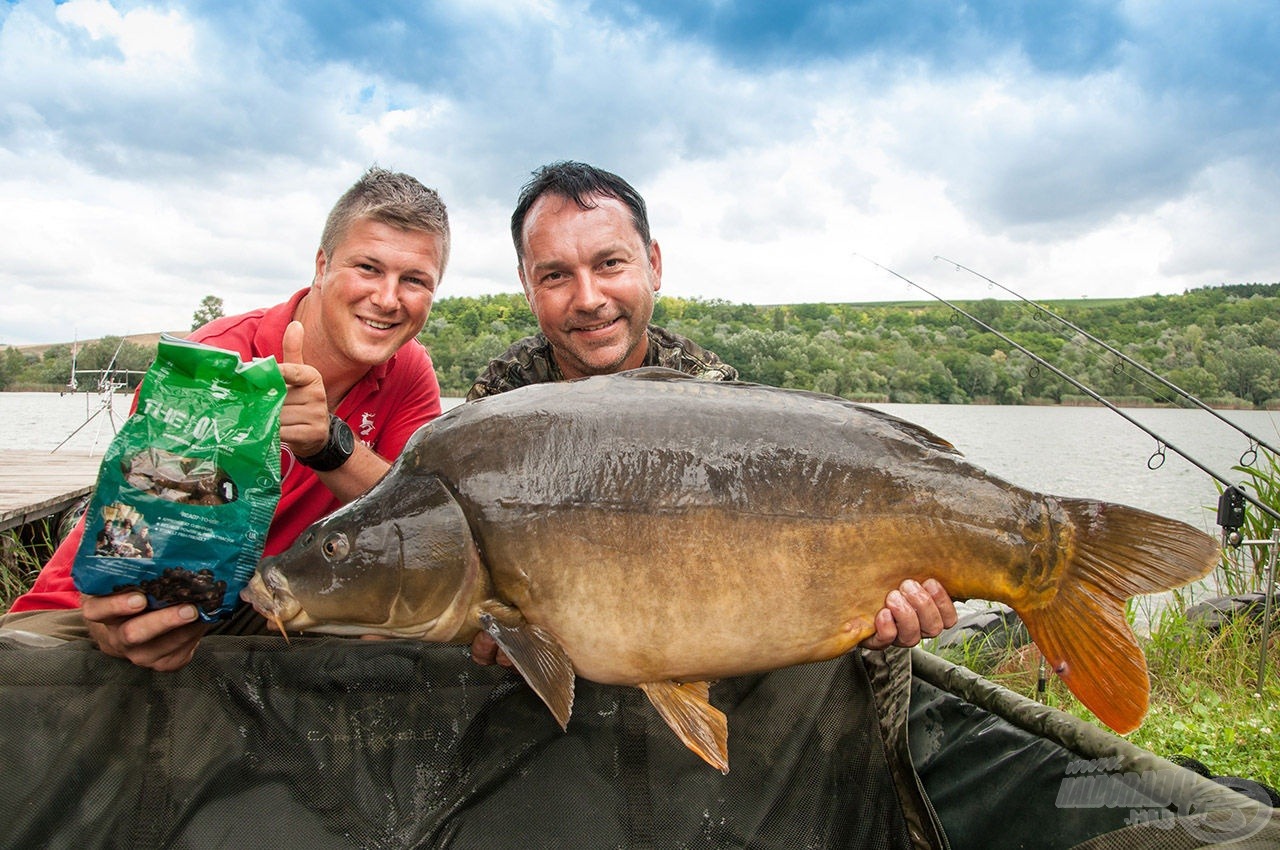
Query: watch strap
[[336, 450]]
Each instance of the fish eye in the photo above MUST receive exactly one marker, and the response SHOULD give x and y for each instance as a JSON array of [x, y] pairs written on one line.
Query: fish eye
[[335, 546]]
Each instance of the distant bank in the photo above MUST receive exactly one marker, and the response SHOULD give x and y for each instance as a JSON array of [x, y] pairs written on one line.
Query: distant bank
[[1219, 344], [145, 340]]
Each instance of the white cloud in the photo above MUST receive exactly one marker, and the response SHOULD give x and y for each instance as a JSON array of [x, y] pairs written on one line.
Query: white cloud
[[1225, 226], [148, 40], [119, 257], [153, 154]]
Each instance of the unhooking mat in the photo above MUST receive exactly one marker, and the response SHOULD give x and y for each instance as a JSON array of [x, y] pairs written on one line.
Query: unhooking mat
[[331, 743], [1005, 772]]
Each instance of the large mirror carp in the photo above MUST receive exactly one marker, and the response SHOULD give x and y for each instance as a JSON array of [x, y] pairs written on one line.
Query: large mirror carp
[[653, 530]]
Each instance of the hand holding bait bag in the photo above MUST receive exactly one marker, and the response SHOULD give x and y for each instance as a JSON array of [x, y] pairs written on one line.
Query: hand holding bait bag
[[188, 486]]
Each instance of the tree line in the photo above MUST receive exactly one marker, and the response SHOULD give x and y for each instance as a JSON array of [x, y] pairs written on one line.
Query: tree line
[[1221, 344]]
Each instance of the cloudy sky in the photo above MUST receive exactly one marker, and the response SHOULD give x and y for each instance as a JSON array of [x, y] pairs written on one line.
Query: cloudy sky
[[153, 153]]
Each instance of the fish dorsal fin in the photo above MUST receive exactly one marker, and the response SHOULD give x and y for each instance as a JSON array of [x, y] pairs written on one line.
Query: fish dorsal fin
[[909, 430], [688, 711], [654, 373], [541, 661]]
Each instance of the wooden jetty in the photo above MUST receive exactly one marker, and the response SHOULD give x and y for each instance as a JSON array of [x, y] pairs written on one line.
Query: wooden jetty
[[34, 485]]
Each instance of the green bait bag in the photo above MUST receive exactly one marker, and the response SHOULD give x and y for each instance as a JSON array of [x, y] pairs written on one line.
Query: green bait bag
[[188, 486]]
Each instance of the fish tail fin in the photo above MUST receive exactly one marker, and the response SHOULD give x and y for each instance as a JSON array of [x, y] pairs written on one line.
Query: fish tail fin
[[1117, 553]]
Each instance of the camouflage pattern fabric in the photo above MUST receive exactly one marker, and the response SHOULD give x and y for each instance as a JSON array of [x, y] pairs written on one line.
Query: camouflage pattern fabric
[[529, 361]]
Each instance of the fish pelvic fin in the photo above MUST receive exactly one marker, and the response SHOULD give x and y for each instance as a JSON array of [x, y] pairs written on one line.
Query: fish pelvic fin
[[688, 711], [540, 659], [1118, 552]]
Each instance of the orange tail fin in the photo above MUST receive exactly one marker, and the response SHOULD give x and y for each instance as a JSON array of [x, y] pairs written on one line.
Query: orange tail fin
[[1119, 552]]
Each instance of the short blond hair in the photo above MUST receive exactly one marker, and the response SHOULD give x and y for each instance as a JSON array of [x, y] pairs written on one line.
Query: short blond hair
[[391, 198]]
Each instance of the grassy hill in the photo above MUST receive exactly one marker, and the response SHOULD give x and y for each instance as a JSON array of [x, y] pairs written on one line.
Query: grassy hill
[[144, 340]]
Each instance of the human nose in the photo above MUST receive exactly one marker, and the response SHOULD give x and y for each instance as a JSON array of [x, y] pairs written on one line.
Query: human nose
[[384, 295], [588, 294]]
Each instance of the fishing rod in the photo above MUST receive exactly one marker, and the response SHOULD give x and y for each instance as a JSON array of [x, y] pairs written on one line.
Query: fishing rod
[[1239, 495], [1254, 440]]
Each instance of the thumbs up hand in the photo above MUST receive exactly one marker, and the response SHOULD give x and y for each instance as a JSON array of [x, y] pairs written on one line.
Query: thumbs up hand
[[304, 418]]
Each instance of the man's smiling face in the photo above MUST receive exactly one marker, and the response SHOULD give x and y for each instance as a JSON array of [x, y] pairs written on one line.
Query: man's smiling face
[[590, 281], [375, 291]]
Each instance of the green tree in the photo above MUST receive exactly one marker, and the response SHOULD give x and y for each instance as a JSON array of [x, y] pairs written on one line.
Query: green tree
[[12, 366], [1212, 342], [210, 308], [469, 321], [973, 373], [1196, 380], [1252, 373], [54, 367]]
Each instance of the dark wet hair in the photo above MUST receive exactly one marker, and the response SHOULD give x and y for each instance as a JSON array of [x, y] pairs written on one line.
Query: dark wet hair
[[391, 198], [578, 182]]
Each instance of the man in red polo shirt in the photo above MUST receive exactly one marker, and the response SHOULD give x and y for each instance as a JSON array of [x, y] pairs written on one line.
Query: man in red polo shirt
[[359, 384]]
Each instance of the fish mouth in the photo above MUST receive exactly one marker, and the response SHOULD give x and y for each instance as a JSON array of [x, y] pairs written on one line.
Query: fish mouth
[[268, 593]]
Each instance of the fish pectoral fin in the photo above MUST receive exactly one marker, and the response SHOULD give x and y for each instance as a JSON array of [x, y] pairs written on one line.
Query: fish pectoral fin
[[688, 711], [541, 661]]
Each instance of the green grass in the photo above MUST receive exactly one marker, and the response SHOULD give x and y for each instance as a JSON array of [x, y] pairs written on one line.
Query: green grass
[[1205, 703], [21, 557]]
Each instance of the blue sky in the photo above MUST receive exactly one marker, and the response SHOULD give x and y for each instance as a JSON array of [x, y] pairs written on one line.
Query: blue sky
[[155, 153]]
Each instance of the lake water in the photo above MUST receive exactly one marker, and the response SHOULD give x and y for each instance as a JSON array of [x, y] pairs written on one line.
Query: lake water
[[1095, 453], [87, 422], [1067, 451]]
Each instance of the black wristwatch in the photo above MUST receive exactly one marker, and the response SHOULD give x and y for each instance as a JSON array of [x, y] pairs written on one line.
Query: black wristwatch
[[337, 449]]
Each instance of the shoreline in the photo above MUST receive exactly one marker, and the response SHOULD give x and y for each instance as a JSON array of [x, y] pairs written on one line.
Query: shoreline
[[1081, 401]]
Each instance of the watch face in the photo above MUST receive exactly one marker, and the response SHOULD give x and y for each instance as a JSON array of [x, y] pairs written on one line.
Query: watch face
[[345, 439], [336, 450]]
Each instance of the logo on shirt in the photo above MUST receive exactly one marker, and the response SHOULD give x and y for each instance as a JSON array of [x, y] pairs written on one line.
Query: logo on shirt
[[366, 424]]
